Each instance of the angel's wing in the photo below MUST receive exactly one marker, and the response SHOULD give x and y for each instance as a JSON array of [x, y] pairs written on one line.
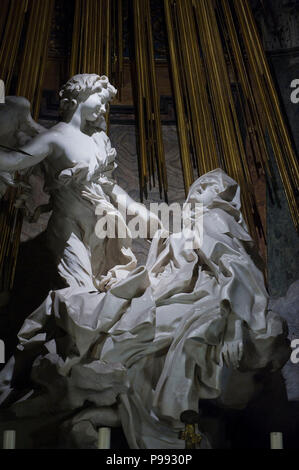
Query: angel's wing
[[17, 124], [17, 127]]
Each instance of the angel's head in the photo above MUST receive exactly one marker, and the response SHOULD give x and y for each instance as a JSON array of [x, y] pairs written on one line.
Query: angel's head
[[90, 92]]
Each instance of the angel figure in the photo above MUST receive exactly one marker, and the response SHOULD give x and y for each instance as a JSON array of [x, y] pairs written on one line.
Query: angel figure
[[78, 162]]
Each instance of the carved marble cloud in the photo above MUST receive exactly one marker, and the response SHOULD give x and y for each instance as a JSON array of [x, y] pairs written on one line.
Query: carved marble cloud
[[127, 345]]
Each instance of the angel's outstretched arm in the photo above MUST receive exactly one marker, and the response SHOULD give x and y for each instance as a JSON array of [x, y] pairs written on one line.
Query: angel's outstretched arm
[[39, 147], [131, 207]]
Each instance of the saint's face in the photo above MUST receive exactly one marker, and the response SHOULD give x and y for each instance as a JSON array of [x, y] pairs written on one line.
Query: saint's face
[[94, 107]]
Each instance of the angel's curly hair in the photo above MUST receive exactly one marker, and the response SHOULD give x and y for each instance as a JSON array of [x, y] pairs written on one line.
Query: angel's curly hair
[[80, 87]]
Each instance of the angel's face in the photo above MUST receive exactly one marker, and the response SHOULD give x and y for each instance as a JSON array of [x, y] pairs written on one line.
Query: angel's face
[[94, 107]]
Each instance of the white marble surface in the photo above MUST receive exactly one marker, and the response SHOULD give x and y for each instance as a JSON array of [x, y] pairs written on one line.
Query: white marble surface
[[138, 344], [161, 339]]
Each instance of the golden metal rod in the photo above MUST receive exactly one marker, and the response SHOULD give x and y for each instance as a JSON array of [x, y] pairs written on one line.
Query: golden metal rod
[[43, 60], [120, 48], [85, 14], [151, 148], [157, 144], [100, 39], [75, 39], [190, 78], [225, 111], [253, 120], [266, 94], [29, 51], [140, 96], [201, 122], [183, 137], [11, 40], [90, 39], [81, 39], [45, 20], [108, 39], [93, 37]]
